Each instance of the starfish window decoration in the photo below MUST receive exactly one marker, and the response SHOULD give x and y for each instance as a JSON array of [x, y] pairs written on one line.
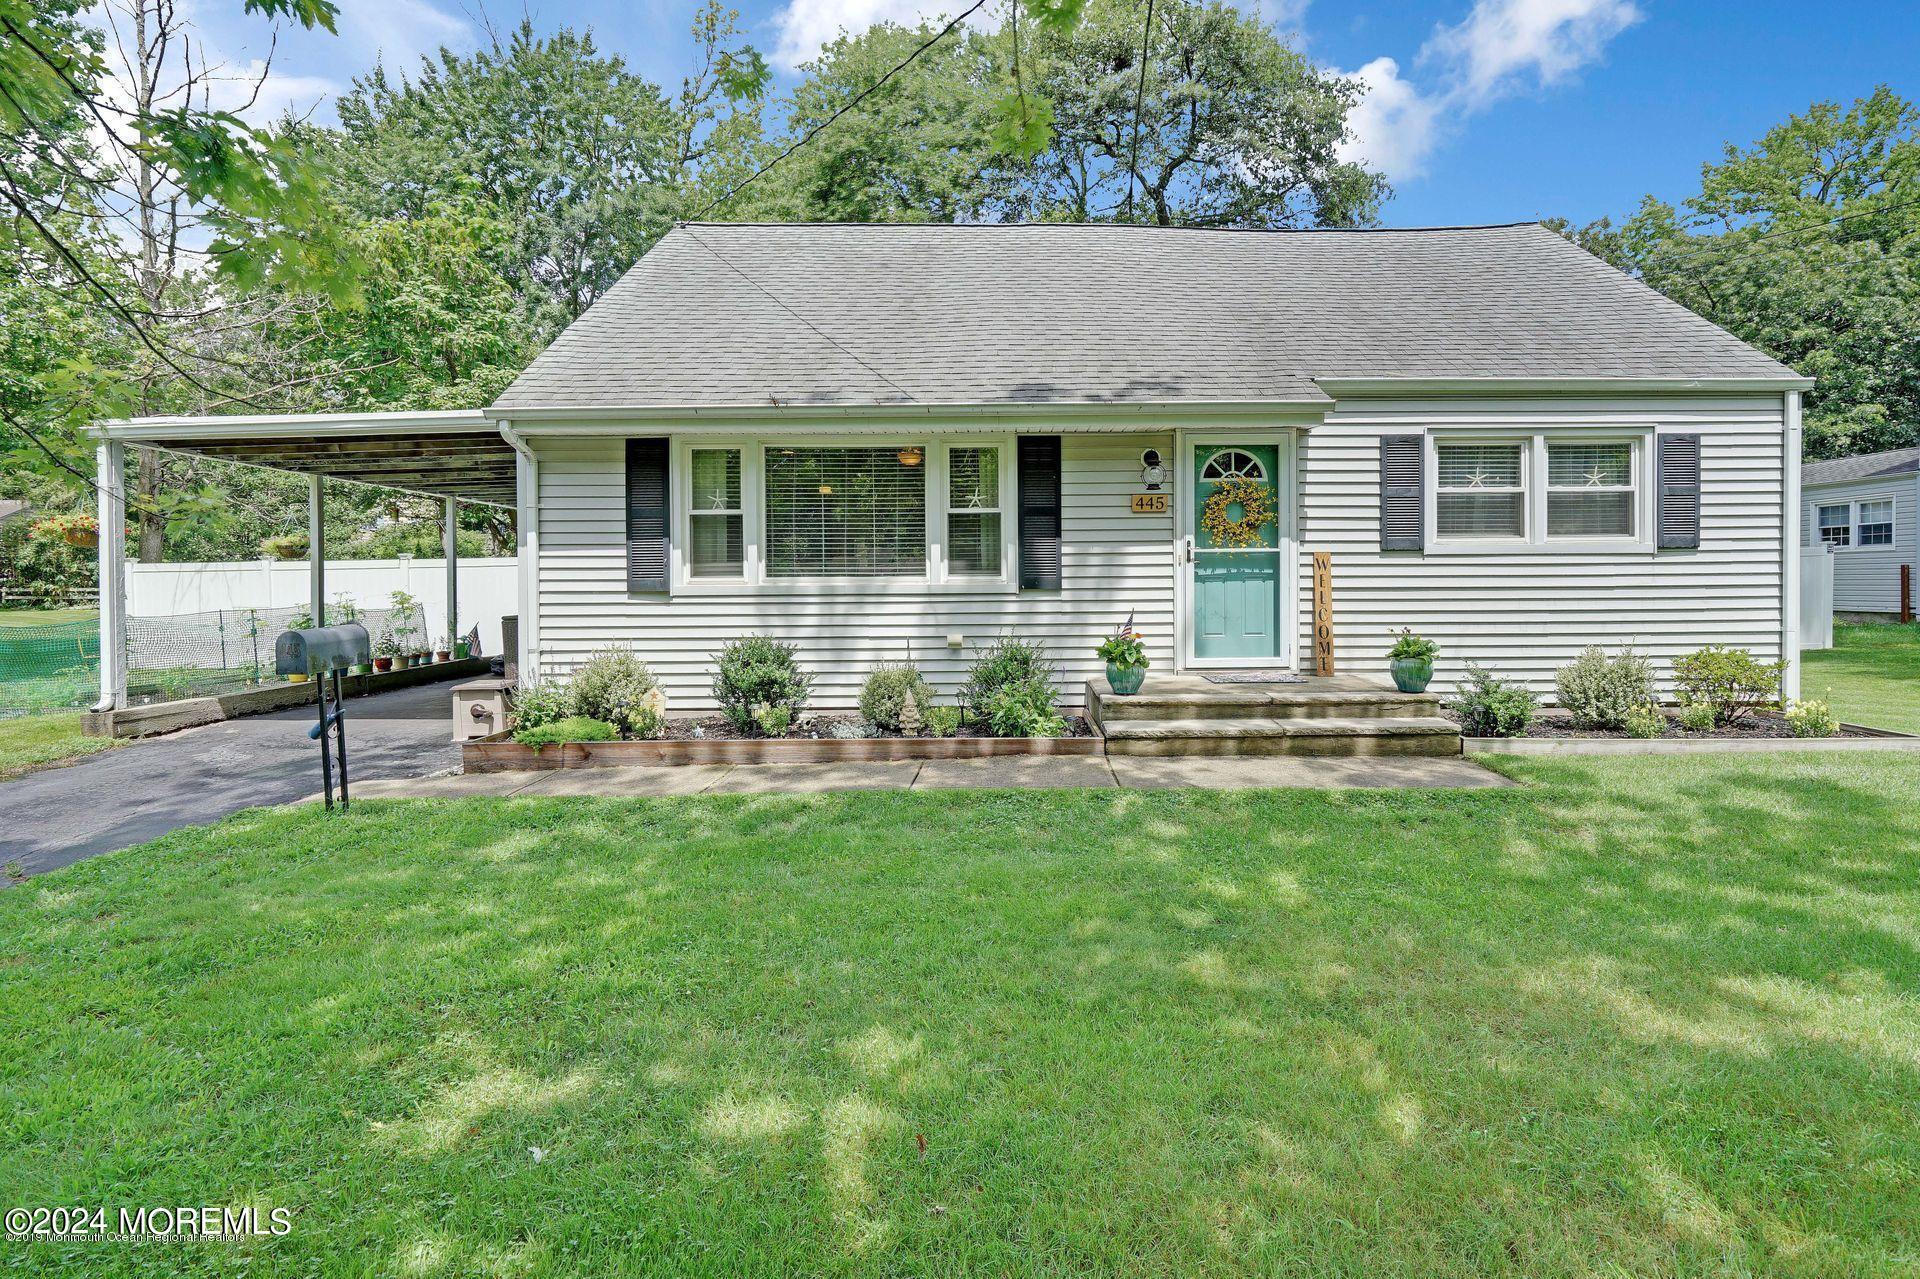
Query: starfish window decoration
[[1598, 478], [1481, 480]]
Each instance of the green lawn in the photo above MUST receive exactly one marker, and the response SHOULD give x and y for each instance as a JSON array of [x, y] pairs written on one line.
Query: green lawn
[[29, 741], [1871, 676], [46, 616], [1641, 1017]]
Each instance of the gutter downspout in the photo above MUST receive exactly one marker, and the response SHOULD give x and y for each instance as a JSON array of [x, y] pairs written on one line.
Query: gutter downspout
[[527, 529], [1790, 546]]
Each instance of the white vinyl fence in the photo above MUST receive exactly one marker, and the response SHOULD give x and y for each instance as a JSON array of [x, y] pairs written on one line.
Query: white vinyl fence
[[489, 589], [1816, 597]]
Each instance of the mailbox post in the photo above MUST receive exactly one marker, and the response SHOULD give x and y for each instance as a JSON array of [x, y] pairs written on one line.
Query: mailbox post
[[325, 653]]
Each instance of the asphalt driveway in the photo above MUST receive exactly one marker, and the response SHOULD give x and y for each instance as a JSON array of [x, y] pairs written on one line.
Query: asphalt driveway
[[128, 796]]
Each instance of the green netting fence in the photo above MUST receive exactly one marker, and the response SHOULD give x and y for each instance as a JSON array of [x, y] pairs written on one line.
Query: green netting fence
[[57, 667]]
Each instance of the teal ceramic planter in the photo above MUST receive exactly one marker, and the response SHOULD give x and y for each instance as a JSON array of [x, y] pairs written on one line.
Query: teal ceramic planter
[[1125, 683], [1412, 674]]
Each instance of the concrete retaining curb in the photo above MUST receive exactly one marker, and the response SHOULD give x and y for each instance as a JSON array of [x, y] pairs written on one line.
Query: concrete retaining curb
[[1882, 741], [155, 718]]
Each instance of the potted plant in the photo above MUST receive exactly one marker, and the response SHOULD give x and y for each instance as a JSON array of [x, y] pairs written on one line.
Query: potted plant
[[284, 546], [1126, 659], [1411, 659], [78, 530], [462, 650], [442, 651], [385, 649]]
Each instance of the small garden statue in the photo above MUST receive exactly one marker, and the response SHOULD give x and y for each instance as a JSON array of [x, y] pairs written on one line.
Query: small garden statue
[[1126, 659], [909, 715]]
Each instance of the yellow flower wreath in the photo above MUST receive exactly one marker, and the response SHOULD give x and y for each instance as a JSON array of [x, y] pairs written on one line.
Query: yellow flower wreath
[[1255, 501]]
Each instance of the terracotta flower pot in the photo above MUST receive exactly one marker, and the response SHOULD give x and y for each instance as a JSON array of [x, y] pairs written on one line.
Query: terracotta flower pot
[[441, 655], [383, 663]]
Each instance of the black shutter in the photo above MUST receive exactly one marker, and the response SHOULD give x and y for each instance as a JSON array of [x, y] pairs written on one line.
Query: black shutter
[[1403, 498], [1040, 512], [1679, 491], [647, 515]]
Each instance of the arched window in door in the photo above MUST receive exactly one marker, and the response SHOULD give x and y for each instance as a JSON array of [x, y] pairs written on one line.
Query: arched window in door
[[1232, 464]]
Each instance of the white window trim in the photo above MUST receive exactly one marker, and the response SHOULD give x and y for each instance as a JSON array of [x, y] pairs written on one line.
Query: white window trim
[[1534, 491], [1854, 524], [710, 511], [754, 578]]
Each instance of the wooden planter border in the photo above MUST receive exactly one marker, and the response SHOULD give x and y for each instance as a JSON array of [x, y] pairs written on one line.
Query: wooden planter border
[[500, 754]]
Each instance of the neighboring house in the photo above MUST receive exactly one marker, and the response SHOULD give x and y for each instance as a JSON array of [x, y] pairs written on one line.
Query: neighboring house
[[887, 443], [1864, 508], [12, 509]]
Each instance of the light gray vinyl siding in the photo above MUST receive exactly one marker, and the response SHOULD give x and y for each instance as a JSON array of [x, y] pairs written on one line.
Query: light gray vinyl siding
[[1523, 614], [1112, 562], [1866, 579]]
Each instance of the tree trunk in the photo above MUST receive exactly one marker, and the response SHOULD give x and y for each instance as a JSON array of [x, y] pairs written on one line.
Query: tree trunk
[[152, 525]]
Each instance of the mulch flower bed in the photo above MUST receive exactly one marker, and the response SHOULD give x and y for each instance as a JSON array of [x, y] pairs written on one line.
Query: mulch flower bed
[[1767, 724], [821, 728]]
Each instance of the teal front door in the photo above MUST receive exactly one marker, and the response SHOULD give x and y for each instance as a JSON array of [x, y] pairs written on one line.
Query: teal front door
[[1236, 572]]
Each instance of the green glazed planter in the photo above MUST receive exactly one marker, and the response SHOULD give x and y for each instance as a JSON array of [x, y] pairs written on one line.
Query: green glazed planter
[[1125, 683], [1412, 674]]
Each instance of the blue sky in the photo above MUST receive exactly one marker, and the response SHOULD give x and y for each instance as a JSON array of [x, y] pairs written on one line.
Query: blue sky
[[1479, 110]]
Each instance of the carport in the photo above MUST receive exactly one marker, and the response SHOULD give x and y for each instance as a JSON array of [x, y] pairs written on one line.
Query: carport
[[455, 456]]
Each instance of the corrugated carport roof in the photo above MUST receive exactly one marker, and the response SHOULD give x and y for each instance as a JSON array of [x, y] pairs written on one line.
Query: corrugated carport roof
[[448, 454]]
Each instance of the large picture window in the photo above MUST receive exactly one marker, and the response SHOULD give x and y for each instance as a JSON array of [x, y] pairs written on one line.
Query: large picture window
[[845, 512], [1481, 492], [973, 511]]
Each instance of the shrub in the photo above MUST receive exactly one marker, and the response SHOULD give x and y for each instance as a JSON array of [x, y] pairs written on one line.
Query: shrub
[[1410, 647], [758, 670], [535, 704], [1600, 691], [1644, 720], [616, 686], [1696, 717], [1731, 680], [1493, 707], [941, 721], [1024, 708], [575, 728], [774, 721], [1812, 719], [1005, 661], [885, 692]]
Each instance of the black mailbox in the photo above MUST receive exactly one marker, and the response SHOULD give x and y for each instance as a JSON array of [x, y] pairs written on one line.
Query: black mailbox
[[321, 649]]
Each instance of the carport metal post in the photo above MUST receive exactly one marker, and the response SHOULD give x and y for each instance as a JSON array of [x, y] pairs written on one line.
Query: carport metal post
[[111, 484], [316, 553], [450, 544]]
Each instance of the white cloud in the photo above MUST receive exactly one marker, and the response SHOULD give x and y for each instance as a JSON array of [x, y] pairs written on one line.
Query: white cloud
[[807, 25], [1502, 47], [1503, 43], [1394, 123], [400, 32]]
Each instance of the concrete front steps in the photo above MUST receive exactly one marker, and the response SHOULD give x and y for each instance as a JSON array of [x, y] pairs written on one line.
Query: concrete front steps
[[1337, 715]]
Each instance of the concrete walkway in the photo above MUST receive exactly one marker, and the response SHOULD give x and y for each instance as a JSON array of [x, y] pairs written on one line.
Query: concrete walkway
[[1023, 772], [141, 791]]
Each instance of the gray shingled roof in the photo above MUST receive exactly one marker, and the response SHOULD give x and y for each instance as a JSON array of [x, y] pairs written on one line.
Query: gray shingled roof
[[738, 314], [1867, 466]]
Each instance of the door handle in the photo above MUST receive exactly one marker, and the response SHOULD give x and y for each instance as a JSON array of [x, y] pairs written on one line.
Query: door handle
[[1187, 549]]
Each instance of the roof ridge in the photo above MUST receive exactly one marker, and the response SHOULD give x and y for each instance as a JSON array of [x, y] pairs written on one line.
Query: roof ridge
[[1124, 226]]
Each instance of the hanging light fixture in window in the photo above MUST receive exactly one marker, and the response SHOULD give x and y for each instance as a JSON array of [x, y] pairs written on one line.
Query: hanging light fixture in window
[[910, 456]]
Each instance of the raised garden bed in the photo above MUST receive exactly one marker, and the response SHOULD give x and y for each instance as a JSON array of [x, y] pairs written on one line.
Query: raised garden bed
[[1554, 734], [718, 743]]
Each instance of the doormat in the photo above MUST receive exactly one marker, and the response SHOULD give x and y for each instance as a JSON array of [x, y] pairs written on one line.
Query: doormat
[[1254, 677]]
